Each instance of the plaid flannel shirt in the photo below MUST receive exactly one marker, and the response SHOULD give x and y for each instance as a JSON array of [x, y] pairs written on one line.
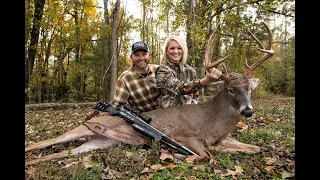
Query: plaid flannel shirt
[[137, 90], [177, 85]]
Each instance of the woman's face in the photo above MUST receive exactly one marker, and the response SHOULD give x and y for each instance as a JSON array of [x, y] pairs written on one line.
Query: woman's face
[[174, 52]]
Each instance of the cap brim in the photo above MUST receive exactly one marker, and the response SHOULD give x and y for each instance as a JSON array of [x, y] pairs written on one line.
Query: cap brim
[[139, 49]]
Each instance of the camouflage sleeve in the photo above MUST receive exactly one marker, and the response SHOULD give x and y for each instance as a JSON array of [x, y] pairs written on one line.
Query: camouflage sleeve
[[191, 87], [122, 93], [167, 82]]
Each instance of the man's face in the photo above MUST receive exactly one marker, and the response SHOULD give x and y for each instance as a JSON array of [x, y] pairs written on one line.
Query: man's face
[[140, 59]]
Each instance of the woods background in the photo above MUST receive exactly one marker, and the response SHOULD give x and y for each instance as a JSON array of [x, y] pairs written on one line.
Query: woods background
[[75, 49]]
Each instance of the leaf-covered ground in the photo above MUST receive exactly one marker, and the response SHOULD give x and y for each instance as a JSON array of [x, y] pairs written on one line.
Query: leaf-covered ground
[[272, 127]]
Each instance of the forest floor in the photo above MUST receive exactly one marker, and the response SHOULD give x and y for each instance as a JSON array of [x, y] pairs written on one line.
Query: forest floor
[[272, 127]]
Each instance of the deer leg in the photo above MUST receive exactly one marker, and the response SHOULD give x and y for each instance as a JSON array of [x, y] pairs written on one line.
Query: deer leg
[[230, 145], [76, 133], [94, 143], [196, 146]]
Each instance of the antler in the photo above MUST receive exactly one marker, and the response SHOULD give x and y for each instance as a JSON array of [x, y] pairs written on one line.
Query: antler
[[208, 56], [267, 52]]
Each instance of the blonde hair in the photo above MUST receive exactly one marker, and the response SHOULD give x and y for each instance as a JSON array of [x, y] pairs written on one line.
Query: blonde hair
[[183, 45]]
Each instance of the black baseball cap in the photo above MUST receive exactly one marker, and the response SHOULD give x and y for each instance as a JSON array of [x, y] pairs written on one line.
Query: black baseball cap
[[139, 45]]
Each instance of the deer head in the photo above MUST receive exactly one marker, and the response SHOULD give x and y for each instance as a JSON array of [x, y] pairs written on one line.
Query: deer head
[[239, 86]]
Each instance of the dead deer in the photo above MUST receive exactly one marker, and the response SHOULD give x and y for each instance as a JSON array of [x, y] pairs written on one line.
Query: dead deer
[[194, 125]]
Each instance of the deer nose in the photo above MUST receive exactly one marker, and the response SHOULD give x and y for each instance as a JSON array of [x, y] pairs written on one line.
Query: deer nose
[[247, 112]]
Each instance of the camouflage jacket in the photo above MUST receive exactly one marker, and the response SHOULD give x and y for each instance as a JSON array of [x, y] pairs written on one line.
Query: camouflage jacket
[[177, 84]]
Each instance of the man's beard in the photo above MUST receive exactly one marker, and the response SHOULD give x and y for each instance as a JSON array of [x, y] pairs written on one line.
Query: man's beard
[[141, 64]]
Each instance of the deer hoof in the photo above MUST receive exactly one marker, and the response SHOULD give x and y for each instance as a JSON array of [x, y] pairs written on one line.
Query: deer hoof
[[204, 157]]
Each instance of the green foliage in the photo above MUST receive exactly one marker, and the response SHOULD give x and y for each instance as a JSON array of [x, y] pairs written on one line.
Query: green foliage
[[57, 77]]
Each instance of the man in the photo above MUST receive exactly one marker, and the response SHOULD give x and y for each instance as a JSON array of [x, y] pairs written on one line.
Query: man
[[137, 85]]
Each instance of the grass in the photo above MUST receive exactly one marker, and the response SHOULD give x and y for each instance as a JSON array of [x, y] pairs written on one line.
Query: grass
[[272, 128]]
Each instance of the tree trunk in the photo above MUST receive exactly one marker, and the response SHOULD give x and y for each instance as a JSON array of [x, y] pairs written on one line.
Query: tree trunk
[[190, 33], [38, 4], [77, 81], [113, 51], [143, 19], [106, 43], [167, 20]]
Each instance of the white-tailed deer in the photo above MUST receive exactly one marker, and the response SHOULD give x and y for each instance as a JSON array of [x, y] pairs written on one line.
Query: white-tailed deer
[[196, 126]]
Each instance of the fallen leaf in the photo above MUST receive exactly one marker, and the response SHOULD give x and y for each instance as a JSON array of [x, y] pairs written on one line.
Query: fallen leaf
[[191, 158], [269, 160], [170, 166], [213, 161], [88, 162], [146, 170], [290, 162], [31, 131], [202, 167], [157, 167], [256, 172], [269, 168], [230, 172], [31, 170], [146, 177], [112, 174], [286, 174], [128, 154], [166, 157], [70, 164], [217, 171], [238, 170], [192, 178], [242, 125]]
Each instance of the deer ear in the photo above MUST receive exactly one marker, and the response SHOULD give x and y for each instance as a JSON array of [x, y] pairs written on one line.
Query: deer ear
[[215, 86], [253, 82]]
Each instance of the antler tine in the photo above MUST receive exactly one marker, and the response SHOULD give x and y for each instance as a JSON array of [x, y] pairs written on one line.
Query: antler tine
[[217, 62], [270, 36], [209, 53], [267, 52], [225, 76], [225, 68], [247, 65], [209, 50]]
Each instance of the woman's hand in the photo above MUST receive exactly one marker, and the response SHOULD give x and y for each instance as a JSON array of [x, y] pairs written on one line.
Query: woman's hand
[[212, 74]]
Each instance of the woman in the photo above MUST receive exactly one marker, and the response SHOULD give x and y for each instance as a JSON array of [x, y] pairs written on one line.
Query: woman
[[177, 82]]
